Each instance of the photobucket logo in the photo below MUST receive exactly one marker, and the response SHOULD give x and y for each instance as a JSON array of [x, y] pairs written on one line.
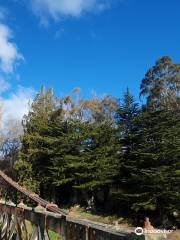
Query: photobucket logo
[[139, 231]]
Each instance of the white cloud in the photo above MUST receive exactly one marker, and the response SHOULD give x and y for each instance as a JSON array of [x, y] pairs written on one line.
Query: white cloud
[[14, 103], [57, 8], [9, 54], [17, 104], [4, 85]]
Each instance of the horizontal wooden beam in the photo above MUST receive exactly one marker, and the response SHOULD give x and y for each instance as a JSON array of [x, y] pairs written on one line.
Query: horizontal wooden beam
[[64, 225]]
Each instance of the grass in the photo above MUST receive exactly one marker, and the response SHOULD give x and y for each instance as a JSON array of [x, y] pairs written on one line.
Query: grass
[[81, 213], [54, 236]]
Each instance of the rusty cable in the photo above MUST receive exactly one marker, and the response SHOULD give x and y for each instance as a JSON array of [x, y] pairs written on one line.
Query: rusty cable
[[31, 195]]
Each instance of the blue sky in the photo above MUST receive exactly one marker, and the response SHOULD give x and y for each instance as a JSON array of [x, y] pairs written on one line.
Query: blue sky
[[101, 46]]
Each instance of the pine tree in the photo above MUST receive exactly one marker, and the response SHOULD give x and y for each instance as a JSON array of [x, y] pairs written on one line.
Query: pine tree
[[151, 176], [33, 161], [126, 119], [85, 154]]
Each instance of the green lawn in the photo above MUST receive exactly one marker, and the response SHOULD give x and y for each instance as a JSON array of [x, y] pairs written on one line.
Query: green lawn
[[54, 236]]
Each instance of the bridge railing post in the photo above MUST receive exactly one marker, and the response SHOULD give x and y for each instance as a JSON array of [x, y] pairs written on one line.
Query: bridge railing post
[[63, 228]]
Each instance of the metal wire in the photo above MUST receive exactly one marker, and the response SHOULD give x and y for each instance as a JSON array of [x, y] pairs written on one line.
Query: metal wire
[[34, 197]]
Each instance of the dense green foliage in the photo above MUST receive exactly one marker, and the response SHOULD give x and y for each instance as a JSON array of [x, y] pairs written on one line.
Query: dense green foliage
[[150, 166], [125, 155]]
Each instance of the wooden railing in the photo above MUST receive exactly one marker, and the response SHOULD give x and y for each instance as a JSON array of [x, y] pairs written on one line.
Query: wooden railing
[[20, 222], [25, 223]]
